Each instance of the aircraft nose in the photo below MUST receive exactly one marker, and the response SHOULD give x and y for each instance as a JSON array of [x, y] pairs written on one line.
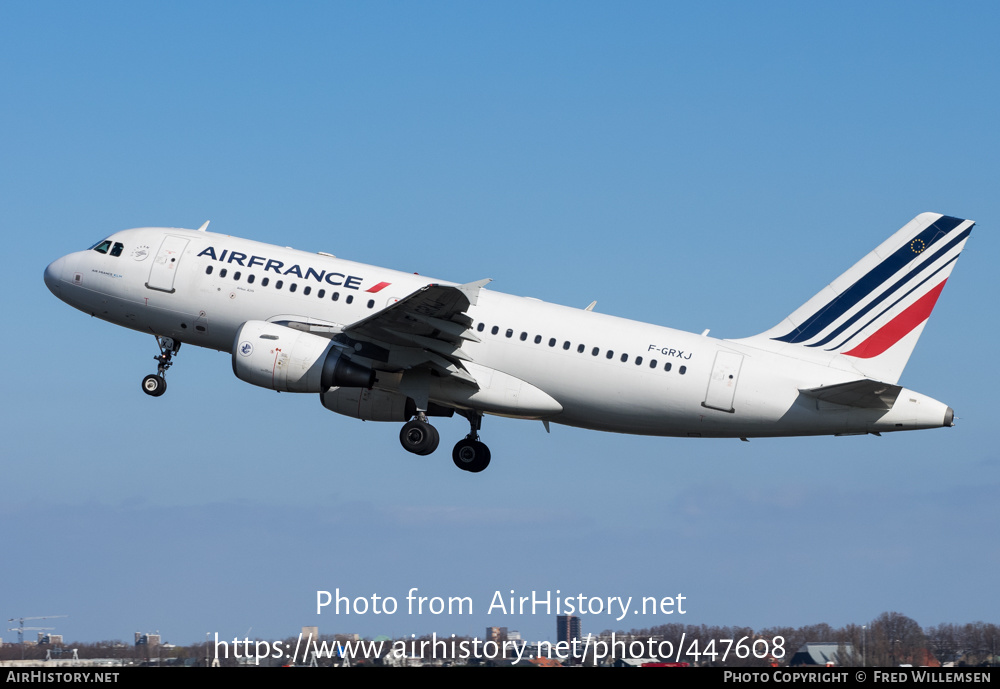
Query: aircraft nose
[[54, 274]]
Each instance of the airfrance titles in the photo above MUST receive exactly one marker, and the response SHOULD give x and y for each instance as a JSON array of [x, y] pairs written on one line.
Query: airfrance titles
[[332, 278]]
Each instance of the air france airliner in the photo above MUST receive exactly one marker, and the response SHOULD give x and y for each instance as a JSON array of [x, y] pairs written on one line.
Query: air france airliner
[[383, 345]]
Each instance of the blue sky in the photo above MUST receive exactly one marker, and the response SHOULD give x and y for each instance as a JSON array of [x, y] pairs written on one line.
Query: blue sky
[[695, 166]]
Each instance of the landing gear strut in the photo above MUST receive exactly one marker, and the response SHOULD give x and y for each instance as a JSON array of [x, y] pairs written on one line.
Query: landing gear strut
[[419, 437], [470, 454], [156, 384]]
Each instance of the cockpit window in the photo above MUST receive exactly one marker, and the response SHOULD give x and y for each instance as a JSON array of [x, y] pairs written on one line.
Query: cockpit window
[[102, 247]]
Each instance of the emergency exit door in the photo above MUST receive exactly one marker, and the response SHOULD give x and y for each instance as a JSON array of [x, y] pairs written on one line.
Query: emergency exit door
[[722, 384]]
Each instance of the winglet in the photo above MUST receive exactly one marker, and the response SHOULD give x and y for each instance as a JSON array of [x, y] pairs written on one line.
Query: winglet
[[471, 289]]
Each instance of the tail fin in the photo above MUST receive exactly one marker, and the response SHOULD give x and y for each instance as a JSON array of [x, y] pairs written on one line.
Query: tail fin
[[871, 316]]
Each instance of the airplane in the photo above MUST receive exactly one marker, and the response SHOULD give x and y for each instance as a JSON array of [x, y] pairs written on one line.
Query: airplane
[[384, 345]]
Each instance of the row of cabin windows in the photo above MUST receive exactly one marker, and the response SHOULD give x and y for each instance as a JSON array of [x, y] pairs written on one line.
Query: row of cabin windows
[[279, 284], [581, 348]]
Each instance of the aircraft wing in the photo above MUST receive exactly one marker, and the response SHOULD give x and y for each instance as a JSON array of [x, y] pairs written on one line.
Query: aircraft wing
[[424, 328], [866, 394]]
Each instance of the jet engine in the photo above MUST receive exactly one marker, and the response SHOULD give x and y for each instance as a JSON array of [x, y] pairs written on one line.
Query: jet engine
[[369, 405], [287, 360], [376, 405]]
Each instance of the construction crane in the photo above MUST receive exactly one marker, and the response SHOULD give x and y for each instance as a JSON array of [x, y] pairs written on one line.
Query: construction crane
[[21, 629]]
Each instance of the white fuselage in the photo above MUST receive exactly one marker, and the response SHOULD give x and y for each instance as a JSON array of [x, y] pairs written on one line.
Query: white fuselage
[[579, 368]]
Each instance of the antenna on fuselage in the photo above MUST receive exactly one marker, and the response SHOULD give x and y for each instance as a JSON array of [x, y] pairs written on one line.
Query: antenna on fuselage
[[204, 227]]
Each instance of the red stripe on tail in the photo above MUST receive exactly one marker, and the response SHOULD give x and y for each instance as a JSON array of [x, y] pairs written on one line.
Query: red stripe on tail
[[900, 326]]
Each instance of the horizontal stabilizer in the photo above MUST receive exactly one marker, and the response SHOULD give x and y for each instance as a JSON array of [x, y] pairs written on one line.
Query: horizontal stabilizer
[[866, 394]]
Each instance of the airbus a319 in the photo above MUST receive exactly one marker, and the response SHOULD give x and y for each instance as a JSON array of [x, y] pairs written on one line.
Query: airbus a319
[[383, 345]]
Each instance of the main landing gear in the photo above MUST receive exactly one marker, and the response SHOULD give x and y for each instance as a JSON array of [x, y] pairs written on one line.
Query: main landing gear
[[470, 454], [421, 438], [156, 384]]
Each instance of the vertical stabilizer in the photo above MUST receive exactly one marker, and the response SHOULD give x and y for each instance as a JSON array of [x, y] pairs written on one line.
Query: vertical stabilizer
[[873, 314]]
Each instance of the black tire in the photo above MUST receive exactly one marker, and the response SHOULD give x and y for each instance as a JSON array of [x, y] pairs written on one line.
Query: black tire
[[435, 440], [154, 386], [471, 455], [419, 437]]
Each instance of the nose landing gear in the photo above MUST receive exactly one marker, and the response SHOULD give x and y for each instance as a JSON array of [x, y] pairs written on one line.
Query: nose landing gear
[[155, 385]]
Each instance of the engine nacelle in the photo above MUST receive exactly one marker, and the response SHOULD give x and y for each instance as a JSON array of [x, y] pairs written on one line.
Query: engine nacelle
[[369, 405], [279, 358], [377, 405]]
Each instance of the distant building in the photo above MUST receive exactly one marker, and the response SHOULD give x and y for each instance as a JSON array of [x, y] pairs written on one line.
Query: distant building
[[823, 655], [496, 634], [147, 639], [567, 627], [310, 632]]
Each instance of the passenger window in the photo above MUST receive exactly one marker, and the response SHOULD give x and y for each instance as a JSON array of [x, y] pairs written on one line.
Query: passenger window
[[566, 345], [336, 296], [321, 293], [667, 366], [208, 271], [524, 336], [292, 287], [371, 303], [222, 273], [682, 370], [250, 278], [538, 339], [624, 358], [307, 290], [481, 327], [652, 363], [597, 350], [552, 342], [611, 354], [638, 361], [278, 284], [264, 282], [236, 275], [350, 299], [510, 332], [494, 330]]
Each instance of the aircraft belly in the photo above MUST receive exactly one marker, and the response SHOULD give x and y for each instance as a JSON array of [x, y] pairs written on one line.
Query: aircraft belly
[[498, 393]]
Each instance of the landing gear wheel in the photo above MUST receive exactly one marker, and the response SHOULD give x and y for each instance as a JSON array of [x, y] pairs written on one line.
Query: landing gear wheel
[[419, 437], [471, 455], [154, 386]]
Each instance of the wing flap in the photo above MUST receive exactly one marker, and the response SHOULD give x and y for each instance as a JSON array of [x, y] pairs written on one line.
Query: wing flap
[[425, 329]]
